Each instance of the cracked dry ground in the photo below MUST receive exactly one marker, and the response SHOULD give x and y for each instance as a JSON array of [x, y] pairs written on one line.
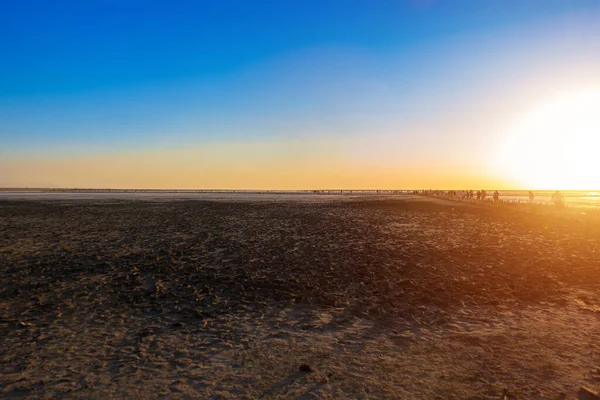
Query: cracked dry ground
[[380, 298]]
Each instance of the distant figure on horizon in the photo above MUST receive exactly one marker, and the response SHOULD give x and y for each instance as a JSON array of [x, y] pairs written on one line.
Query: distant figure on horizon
[[478, 195], [531, 197], [483, 195], [558, 199], [496, 196], [471, 194]]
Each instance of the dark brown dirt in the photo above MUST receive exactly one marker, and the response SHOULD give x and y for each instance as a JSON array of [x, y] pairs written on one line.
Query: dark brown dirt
[[118, 275]]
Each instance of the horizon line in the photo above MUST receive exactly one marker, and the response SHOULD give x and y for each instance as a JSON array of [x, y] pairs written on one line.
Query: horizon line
[[45, 189]]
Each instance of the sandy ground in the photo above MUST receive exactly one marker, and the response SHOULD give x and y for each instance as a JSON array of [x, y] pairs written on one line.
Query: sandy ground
[[362, 298]]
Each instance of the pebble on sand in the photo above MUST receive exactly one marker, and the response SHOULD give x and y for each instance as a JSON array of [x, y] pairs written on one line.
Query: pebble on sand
[[306, 368]]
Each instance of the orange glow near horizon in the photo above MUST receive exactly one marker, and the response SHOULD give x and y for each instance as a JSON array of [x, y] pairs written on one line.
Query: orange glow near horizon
[[553, 145], [268, 165]]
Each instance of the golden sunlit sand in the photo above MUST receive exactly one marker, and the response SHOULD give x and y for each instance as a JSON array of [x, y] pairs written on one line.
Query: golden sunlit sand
[[338, 298]]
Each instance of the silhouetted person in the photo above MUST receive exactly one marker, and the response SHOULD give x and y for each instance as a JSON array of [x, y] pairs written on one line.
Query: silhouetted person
[[478, 195], [558, 199], [483, 195], [496, 196]]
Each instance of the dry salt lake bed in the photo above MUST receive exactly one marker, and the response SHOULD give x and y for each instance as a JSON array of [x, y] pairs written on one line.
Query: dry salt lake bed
[[309, 297]]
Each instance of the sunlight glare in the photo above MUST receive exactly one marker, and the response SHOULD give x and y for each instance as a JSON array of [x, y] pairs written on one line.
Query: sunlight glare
[[556, 145]]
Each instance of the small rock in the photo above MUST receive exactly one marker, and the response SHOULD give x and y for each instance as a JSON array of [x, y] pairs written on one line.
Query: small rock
[[306, 368]]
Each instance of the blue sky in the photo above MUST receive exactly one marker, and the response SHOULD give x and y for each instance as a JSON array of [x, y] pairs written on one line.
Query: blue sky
[[412, 79]]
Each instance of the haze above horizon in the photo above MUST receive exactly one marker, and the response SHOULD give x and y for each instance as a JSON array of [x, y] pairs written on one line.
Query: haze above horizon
[[306, 95]]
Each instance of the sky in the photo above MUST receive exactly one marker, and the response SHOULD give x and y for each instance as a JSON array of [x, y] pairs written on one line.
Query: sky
[[231, 94]]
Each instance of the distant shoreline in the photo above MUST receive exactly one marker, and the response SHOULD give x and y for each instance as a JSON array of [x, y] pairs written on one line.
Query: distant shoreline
[[276, 191], [576, 202], [241, 191], [588, 200]]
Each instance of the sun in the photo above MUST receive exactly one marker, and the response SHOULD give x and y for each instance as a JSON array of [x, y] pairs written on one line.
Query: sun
[[556, 145]]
